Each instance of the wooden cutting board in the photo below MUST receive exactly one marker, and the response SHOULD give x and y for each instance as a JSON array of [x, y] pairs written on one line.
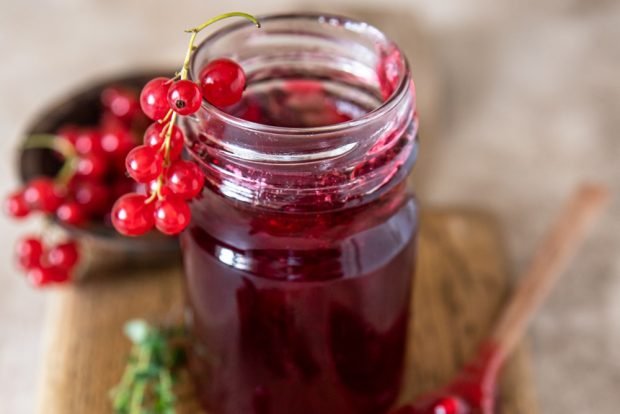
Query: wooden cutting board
[[460, 286]]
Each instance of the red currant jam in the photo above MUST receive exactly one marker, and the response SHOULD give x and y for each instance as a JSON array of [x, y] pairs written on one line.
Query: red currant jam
[[299, 256], [299, 313]]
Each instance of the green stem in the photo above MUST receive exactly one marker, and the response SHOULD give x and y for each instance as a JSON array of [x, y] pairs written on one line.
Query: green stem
[[59, 145], [167, 141], [188, 55], [167, 117], [67, 171], [165, 392], [156, 194], [194, 31], [147, 384], [121, 394], [222, 17], [137, 397], [51, 142]]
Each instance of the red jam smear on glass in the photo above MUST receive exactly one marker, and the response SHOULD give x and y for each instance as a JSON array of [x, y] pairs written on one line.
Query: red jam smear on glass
[[300, 310]]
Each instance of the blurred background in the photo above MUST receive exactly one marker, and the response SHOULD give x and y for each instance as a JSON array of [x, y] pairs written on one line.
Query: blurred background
[[519, 101]]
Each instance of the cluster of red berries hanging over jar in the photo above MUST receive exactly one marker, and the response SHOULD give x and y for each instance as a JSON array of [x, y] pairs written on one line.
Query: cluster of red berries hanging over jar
[[171, 181]]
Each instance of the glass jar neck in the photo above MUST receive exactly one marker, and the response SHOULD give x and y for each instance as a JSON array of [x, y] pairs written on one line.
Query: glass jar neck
[[336, 124]]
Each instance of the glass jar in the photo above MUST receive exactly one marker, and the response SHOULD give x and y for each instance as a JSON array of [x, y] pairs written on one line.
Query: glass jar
[[299, 258]]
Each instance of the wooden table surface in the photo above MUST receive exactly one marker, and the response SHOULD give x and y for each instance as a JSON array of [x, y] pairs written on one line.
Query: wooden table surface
[[461, 283]]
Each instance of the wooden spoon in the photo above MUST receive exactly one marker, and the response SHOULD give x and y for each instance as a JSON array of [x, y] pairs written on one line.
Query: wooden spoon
[[474, 389]]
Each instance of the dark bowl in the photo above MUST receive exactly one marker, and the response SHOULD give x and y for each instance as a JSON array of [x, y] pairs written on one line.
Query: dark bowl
[[83, 107]]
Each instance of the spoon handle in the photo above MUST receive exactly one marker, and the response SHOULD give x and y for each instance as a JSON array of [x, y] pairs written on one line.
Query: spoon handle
[[551, 258]]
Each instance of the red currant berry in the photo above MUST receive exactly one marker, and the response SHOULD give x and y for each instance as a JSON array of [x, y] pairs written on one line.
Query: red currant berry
[[59, 275], [42, 194], [16, 206], [91, 166], [154, 98], [222, 82], [185, 179], [117, 142], [108, 121], [120, 102], [184, 97], [92, 197], [154, 137], [447, 405], [64, 256], [144, 163], [132, 216], [29, 252], [40, 276], [88, 142], [172, 215], [71, 212]]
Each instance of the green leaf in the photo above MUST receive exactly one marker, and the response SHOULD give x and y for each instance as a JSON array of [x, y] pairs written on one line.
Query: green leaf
[[147, 383]]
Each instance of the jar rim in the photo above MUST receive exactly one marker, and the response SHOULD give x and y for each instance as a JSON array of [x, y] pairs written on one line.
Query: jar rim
[[386, 106]]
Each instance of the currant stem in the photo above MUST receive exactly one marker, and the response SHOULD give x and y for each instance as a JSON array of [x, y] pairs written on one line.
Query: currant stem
[[59, 145], [51, 142], [155, 194], [66, 171], [222, 17], [194, 31], [167, 117], [188, 56], [169, 128]]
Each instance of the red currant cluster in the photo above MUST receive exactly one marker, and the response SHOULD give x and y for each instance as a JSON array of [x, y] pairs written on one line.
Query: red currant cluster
[[43, 265], [171, 181], [90, 179]]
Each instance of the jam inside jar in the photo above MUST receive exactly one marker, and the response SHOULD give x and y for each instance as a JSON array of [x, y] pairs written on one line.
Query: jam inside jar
[[299, 258]]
